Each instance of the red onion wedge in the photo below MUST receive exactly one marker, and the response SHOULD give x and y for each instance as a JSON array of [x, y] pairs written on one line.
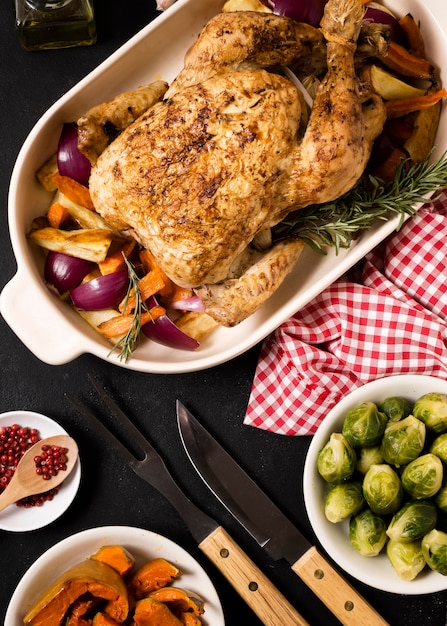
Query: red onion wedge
[[101, 292], [63, 272], [70, 161], [194, 303], [307, 11], [163, 330]]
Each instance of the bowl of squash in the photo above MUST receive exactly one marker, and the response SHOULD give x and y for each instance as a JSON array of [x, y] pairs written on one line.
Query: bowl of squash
[[115, 575]]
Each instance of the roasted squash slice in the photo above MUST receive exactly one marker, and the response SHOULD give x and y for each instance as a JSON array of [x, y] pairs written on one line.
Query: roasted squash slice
[[150, 612], [153, 575], [101, 619], [190, 619], [179, 600], [80, 608], [117, 557], [89, 576]]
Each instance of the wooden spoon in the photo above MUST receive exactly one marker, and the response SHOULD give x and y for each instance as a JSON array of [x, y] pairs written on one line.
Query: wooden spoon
[[25, 481]]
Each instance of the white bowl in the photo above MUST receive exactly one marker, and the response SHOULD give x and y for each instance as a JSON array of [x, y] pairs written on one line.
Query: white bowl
[[334, 538], [19, 519], [142, 544], [54, 332]]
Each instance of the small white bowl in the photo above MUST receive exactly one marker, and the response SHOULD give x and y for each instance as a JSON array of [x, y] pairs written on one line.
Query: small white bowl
[[334, 538], [18, 519], [142, 544]]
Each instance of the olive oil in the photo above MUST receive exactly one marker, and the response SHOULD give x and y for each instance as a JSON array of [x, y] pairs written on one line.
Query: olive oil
[[46, 24]]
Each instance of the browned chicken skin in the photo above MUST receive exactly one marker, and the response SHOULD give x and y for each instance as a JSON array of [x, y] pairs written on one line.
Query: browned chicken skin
[[198, 175]]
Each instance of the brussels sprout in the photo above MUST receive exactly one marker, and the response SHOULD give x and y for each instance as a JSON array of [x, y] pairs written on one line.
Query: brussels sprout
[[441, 499], [364, 425], [367, 457], [422, 478], [396, 408], [367, 533], [343, 501], [434, 549], [431, 408], [382, 489], [439, 447], [413, 521], [406, 558], [403, 441], [336, 460]]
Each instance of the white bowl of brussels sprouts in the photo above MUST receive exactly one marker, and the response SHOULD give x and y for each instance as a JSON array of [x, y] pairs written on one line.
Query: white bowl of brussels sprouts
[[375, 484]]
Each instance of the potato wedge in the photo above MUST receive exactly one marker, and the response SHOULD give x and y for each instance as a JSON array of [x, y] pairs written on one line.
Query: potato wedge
[[91, 244], [96, 318], [423, 138], [45, 173], [196, 325], [86, 218], [390, 87], [245, 5]]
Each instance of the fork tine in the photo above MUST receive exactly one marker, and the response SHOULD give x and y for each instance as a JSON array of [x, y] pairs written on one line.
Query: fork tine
[[96, 424], [113, 407]]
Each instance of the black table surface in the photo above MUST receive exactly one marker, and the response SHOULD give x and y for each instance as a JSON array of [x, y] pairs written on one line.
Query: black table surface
[[110, 493]]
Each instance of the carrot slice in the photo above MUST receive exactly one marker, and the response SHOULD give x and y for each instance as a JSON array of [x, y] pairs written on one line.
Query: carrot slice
[[413, 34], [150, 284], [115, 262], [149, 263], [74, 191], [121, 324], [398, 108], [147, 259], [407, 64], [57, 214]]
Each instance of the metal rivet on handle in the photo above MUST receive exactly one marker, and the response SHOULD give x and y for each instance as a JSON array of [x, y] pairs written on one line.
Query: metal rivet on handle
[[349, 605], [253, 586], [319, 574], [224, 553]]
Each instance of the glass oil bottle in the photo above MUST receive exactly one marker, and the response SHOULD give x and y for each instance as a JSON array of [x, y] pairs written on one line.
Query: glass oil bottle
[[46, 24]]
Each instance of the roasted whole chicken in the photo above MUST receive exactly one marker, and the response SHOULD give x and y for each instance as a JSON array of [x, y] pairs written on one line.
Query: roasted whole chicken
[[231, 149]]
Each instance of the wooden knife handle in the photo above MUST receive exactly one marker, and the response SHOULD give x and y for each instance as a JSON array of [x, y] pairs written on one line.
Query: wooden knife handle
[[336, 593], [255, 589]]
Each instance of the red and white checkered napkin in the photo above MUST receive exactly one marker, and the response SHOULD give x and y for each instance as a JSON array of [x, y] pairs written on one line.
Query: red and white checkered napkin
[[392, 322]]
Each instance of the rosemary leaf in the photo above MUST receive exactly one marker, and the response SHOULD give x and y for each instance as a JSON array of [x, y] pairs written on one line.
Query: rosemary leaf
[[333, 224], [127, 344]]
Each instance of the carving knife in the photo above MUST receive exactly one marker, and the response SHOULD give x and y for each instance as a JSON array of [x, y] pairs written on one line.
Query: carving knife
[[269, 526], [253, 586]]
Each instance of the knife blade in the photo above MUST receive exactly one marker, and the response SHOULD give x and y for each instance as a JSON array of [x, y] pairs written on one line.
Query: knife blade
[[268, 525], [260, 594]]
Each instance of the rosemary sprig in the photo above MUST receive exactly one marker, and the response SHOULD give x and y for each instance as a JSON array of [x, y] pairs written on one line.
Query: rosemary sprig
[[333, 224], [127, 344]]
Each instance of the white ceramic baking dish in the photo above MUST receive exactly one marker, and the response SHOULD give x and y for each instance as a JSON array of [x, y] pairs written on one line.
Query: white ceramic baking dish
[[54, 332]]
